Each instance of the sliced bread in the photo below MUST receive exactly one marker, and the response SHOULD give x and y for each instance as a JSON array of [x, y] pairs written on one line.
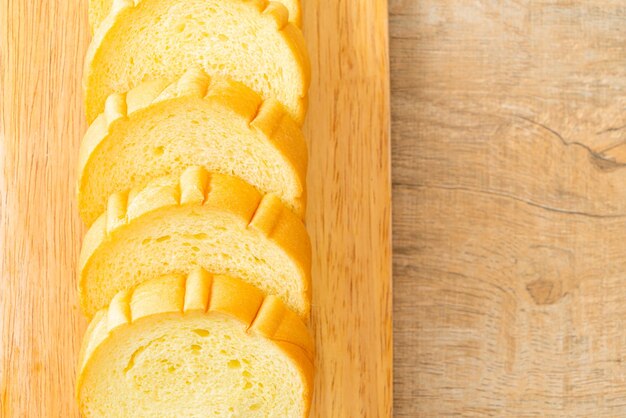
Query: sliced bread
[[195, 346], [250, 41], [158, 129], [99, 9], [212, 220]]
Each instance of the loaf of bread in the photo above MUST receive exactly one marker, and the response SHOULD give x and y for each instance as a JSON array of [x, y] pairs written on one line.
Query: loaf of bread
[[99, 9], [159, 129], [203, 219], [250, 41], [196, 267], [200, 345]]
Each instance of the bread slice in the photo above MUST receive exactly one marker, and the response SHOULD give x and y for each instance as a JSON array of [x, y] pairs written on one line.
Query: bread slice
[[250, 41], [212, 220], [195, 346], [99, 9], [158, 129]]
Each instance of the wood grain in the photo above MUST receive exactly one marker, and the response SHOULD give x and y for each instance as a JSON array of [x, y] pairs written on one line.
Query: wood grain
[[43, 45], [350, 206], [509, 208], [42, 49]]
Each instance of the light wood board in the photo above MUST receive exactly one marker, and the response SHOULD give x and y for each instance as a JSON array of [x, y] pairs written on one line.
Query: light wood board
[[509, 156], [41, 123]]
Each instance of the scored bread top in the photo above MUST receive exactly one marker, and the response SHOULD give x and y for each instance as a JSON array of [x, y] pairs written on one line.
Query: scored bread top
[[264, 214], [258, 47], [99, 9], [201, 293], [276, 138]]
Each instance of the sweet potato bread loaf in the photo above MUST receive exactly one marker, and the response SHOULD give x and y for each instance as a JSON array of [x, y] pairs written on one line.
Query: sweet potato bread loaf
[[250, 41], [160, 128], [203, 219], [195, 346]]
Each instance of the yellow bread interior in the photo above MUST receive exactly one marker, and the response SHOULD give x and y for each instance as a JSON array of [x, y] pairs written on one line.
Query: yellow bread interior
[[195, 346], [250, 41], [158, 129], [215, 221], [99, 9]]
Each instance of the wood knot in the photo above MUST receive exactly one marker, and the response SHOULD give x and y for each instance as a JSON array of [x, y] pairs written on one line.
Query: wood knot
[[545, 292], [604, 163], [547, 273]]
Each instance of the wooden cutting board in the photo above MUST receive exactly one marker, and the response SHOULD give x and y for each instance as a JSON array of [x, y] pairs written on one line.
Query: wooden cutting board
[[509, 156], [42, 49]]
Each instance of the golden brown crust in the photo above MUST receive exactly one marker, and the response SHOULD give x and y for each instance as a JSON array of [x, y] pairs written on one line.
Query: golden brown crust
[[263, 213], [265, 116], [203, 293]]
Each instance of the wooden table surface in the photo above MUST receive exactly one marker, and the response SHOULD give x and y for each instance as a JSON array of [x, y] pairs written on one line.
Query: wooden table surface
[[509, 124], [42, 46], [509, 185]]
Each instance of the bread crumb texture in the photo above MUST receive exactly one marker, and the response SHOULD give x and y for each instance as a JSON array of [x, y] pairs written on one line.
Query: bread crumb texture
[[159, 129], [215, 221], [249, 41], [196, 345], [99, 9]]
